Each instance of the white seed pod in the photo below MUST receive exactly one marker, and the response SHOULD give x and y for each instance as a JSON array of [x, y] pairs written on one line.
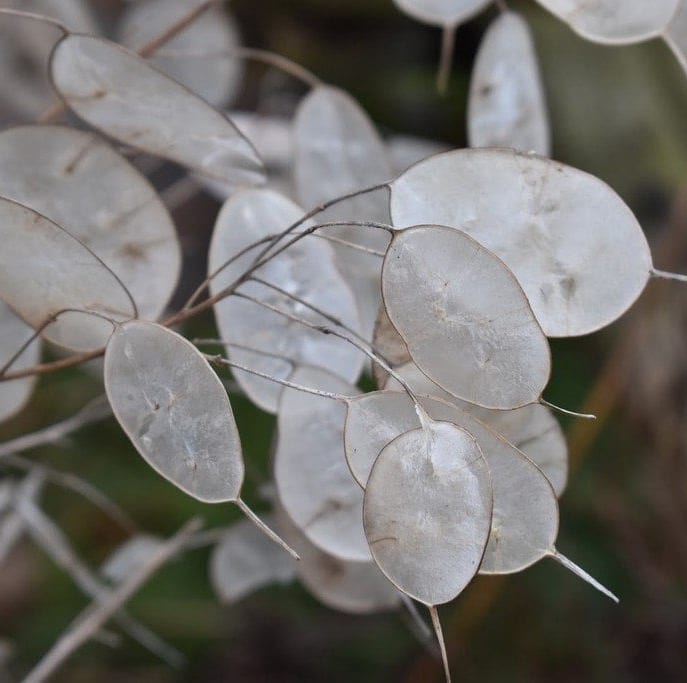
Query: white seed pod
[[525, 511], [175, 410], [573, 244], [442, 12], [215, 77], [44, 271], [352, 587], [119, 93], [427, 511], [464, 317], [614, 22], [83, 185], [306, 269], [337, 150], [533, 429], [506, 105], [14, 333], [245, 559], [313, 481], [524, 524], [130, 556], [374, 420]]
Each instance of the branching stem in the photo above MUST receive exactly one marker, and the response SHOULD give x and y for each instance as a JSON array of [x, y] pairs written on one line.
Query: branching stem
[[284, 382], [96, 615], [364, 347]]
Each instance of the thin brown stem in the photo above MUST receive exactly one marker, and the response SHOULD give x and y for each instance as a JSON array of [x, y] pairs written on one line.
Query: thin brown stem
[[243, 347], [448, 41], [315, 309], [206, 282], [150, 48], [95, 410], [190, 312], [262, 258], [53, 366], [366, 348], [265, 256], [35, 17], [250, 53], [319, 209], [284, 382]]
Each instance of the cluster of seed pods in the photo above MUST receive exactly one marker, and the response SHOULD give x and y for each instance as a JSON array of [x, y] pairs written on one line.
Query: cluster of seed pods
[[446, 279]]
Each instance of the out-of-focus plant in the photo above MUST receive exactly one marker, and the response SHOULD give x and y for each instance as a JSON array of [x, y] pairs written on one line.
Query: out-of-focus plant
[[336, 254]]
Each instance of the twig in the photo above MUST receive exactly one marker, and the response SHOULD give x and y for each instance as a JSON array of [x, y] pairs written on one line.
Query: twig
[[14, 526], [185, 313], [49, 536], [95, 410], [72, 482], [366, 348], [278, 61], [448, 42], [95, 616], [291, 385]]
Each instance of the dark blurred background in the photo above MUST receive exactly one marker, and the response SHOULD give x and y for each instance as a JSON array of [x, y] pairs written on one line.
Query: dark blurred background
[[619, 113]]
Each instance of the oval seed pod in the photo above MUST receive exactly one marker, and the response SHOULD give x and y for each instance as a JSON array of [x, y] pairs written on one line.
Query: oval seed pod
[[14, 333], [506, 106], [522, 494], [175, 410], [533, 429], [25, 50], [614, 22], [573, 244], [524, 524], [337, 150], [352, 587], [306, 269], [130, 556], [442, 12], [45, 270], [313, 481], [427, 511], [245, 560], [464, 317], [83, 185], [215, 77], [119, 93], [374, 420]]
